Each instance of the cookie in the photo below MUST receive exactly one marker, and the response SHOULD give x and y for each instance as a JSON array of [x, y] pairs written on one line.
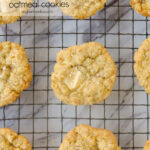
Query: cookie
[[80, 9], [85, 137], [141, 6], [84, 74], [147, 145], [142, 65], [11, 11], [15, 72], [9, 140]]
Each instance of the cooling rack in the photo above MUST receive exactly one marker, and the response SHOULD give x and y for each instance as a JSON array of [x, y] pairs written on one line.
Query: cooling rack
[[42, 118]]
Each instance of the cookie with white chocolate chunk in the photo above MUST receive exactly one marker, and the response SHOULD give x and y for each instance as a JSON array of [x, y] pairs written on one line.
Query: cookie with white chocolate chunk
[[9, 140], [85, 137], [80, 9], [142, 65], [15, 72], [12, 10], [141, 6], [84, 74]]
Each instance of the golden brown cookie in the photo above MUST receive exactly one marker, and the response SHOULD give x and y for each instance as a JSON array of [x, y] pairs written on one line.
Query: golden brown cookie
[[11, 10], [15, 72], [84, 74], [141, 6], [147, 145], [80, 9], [85, 137], [142, 65], [9, 140]]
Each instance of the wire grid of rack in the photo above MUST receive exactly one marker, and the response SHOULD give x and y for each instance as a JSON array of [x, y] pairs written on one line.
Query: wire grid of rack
[[42, 118]]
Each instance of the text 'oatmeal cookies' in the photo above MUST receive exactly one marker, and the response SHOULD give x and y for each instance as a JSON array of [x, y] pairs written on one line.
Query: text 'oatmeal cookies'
[[12, 10], [9, 140], [141, 6], [85, 137], [80, 9], [142, 65], [84, 74], [15, 72]]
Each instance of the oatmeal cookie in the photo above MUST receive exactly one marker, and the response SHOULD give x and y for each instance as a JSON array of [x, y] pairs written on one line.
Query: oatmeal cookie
[[9, 140], [10, 14], [80, 9], [141, 6], [84, 74], [142, 65], [85, 137], [15, 72]]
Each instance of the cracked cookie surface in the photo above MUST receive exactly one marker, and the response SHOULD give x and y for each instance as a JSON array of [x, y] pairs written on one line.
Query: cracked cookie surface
[[141, 6], [84, 74], [85, 137], [142, 65], [81, 9], [9, 140], [15, 72], [10, 14]]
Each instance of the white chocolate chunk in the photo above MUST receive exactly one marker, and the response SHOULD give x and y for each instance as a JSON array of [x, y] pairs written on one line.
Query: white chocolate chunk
[[73, 80]]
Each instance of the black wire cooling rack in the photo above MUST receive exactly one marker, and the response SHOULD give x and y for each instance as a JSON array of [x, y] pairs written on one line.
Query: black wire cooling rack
[[42, 118]]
